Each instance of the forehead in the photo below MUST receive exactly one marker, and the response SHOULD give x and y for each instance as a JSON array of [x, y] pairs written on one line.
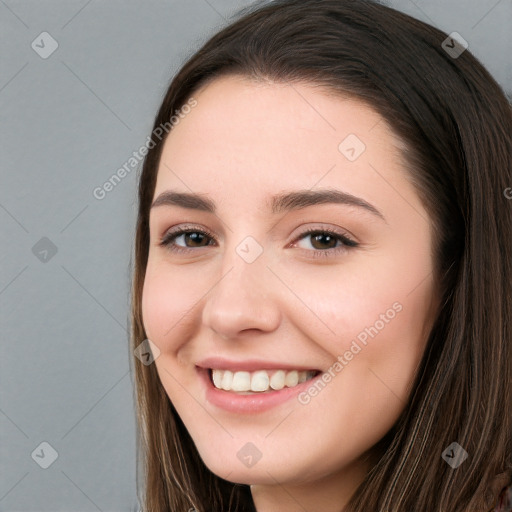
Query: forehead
[[246, 138], [302, 108]]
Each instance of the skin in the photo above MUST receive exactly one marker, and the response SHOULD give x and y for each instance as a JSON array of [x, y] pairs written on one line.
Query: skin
[[241, 144]]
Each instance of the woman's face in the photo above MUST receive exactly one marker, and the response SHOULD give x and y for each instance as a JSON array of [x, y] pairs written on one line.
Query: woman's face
[[248, 289]]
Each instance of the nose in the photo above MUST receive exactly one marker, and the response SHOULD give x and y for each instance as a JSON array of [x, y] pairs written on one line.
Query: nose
[[243, 299]]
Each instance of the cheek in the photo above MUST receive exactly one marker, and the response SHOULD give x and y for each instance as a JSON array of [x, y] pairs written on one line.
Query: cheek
[[362, 303], [379, 316], [168, 297], [378, 345]]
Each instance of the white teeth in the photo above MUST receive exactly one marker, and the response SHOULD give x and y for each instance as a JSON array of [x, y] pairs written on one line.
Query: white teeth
[[277, 380], [227, 380], [258, 381], [292, 378], [217, 379], [241, 381]]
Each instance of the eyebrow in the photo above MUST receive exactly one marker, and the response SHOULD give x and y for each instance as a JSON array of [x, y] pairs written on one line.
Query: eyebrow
[[279, 203]]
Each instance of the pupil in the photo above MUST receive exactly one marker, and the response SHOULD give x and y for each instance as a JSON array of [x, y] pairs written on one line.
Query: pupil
[[194, 237], [326, 239]]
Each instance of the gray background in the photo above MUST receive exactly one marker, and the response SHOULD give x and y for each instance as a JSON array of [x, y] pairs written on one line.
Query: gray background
[[68, 122]]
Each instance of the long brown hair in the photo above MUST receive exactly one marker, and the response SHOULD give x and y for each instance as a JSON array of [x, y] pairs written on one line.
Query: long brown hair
[[456, 124]]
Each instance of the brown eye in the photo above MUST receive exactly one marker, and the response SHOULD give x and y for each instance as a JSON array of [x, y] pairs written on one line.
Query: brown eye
[[323, 240], [322, 243], [185, 239], [195, 238]]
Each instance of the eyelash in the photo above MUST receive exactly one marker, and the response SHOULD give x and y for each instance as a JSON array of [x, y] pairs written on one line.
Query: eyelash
[[348, 243]]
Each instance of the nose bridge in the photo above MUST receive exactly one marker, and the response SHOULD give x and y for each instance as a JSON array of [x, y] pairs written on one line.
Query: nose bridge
[[242, 298], [244, 264]]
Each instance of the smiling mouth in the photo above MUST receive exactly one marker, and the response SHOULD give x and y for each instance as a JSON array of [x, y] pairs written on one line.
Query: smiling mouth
[[260, 381]]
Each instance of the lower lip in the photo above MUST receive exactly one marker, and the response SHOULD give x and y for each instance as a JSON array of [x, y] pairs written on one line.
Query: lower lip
[[253, 403]]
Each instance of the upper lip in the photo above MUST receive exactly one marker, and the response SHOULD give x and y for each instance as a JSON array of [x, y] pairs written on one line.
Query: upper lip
[[249, 365]]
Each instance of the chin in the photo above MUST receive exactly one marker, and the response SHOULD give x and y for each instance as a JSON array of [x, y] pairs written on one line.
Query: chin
[[262, 472]]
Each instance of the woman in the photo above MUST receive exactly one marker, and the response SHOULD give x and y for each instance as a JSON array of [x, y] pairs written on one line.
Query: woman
[[322, 271]]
